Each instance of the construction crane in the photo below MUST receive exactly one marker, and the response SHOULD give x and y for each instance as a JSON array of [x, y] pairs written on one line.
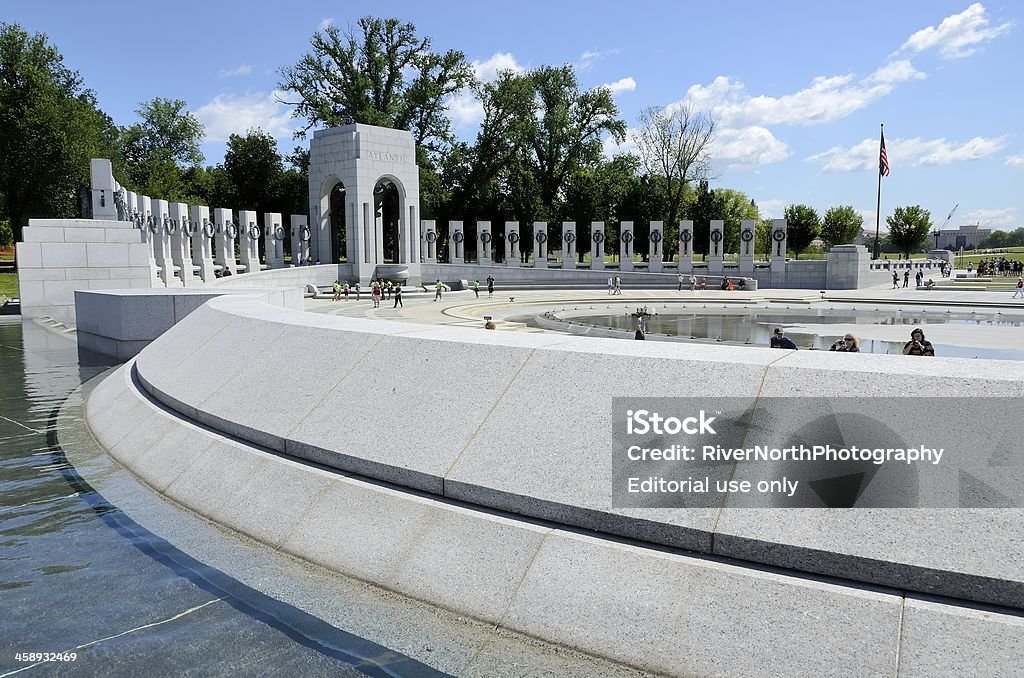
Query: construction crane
[[944, 223]]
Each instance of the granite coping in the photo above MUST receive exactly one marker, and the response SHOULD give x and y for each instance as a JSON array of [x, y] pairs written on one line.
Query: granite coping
[[655, 610], [484, 397]]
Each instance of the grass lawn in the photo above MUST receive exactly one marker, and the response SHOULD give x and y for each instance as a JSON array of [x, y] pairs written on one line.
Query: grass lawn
[[8, 285]]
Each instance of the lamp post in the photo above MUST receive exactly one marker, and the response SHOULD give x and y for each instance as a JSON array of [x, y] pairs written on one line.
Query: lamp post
[[936, 233]]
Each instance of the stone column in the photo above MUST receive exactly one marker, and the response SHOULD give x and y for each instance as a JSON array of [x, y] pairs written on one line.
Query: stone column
[[747, 240], [429, 230], [778, 259], [224, 239], [626, 246], [483, 242], [686, 247], [845, 265], [181, 243], [569, 250], [274, 235], [248, 240], [540, 238], [162, 243], [657, 256], [597, 246], [512, 244], [202, 242], [716, 247], [456, 243], [301, 235], [144, 222], [103, 186]]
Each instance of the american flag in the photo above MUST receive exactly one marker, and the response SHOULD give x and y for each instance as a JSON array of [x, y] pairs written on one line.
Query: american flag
[[883, 159]]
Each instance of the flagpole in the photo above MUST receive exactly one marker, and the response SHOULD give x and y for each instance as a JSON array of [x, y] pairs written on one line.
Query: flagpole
[[878, 204]]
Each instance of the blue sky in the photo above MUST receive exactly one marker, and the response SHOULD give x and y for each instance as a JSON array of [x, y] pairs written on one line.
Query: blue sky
[[798, 88]]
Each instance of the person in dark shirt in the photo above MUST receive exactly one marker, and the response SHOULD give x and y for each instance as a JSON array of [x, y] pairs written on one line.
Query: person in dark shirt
[[780, 340], [917, 344]]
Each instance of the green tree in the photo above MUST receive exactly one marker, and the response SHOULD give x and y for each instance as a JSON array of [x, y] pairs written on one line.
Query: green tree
[[161, 147], [802, 226], [50, 127], [734, 209], [841, 226], [380, 72], [909, 227], [255, 171], [704, 206], [673, 145]]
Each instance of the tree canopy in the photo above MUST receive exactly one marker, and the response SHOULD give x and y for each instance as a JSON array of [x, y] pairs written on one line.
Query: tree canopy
[[909, 227], [159, 149], [50, 127], [841, 226], [379, 72], [802, 226]]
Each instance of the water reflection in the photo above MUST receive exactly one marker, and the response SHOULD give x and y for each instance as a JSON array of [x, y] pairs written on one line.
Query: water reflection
[[755, 327]]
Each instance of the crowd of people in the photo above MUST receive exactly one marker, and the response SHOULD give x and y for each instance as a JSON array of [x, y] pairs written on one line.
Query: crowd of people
[[999, 266], [850, 343]]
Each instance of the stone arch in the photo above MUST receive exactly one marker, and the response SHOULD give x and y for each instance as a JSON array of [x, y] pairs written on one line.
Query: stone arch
[[333, 219], [389, 198]]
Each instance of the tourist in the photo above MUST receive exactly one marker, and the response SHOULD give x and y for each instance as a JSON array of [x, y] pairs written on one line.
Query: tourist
[[917, 344], [895, 280], [780, 340], [970, 267], [387, 288], [490, 286], [618, 285], [1020, 288], [346, 288], [639, 334], [438, 287], [357, 291], [693, 283], [848, 344], [703, 284], [679, 282], [918, 278], [725, 283], [398, 295], [906, 278], [476, 288], [742, 284], [489, 325], [375, 293], [611, 285], [930, 284], [337, 290]]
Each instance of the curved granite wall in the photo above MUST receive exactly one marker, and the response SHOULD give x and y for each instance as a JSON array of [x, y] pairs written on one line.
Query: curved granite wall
[[519, 422]]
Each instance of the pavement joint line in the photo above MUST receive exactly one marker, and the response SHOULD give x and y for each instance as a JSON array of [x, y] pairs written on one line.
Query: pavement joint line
[[899, 636]]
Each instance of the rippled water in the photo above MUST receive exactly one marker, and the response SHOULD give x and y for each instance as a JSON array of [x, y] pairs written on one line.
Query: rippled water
[[755, 327], [77, 575]]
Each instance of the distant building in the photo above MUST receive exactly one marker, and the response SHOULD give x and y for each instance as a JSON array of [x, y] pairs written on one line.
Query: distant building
[[967, 236]]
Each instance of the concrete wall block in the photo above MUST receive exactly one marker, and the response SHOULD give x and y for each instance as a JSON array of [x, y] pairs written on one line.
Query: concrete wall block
[[108, 254], [29, 255], [128, 235], [39, 274], [43, 234], [60, 292], [87, 274], [84, 235], [31, 294], [63, 255], [139, 254]]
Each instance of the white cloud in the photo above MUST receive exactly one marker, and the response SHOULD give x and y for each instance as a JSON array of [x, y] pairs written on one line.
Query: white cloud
[[324, 23], [826, 99], [906, 153], [772, 208], [488, 70], [747, 148], [993, 218], [959, 35], [623, 85], [1015, 160], [465, 109], [228, 114], [588, 58], [244, 69], [609, 148]]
